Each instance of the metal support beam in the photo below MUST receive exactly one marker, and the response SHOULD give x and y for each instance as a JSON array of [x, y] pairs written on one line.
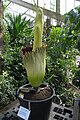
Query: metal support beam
[[58, 11], [30, 6]]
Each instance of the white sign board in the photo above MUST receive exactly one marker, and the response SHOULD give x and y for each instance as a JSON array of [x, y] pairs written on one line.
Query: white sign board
[[23, 113]]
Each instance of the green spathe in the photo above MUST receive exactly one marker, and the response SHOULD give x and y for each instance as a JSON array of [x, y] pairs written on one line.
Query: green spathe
[[35, 63]]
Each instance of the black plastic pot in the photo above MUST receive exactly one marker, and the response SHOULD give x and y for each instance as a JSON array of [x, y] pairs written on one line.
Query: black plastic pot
[[40, 109]]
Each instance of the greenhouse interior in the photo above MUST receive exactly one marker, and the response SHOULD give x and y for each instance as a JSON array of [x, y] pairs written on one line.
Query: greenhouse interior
[[39, 59]]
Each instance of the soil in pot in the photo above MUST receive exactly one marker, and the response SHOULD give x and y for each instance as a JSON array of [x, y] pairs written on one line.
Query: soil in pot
[[43, 92], [39, 102]]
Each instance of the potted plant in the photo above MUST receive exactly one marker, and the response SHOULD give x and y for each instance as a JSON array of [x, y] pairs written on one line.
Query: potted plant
[[36, 96]]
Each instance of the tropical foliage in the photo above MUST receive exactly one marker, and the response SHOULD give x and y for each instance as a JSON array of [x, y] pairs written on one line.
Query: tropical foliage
[[63, 47], [15, 36], [7, 91]]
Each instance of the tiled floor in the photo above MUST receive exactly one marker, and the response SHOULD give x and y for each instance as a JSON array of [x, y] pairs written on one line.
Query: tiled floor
[[57, 112], [60, 113]]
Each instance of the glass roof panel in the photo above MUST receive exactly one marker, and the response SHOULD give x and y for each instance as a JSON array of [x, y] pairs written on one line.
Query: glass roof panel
[[65, 6], [16, 8]]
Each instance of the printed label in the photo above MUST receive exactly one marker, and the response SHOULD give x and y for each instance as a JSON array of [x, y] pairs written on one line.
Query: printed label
[[23, 113]]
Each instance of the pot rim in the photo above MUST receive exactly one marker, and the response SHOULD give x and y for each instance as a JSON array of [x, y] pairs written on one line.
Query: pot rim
[[35, 101]]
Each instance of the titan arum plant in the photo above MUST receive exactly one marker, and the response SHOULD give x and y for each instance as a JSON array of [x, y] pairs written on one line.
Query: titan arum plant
[[34, 57]]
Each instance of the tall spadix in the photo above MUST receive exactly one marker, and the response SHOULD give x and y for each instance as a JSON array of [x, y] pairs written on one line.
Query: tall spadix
[[38, 29]]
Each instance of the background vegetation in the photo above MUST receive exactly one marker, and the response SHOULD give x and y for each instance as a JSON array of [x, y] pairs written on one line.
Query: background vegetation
[[63, 46]]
